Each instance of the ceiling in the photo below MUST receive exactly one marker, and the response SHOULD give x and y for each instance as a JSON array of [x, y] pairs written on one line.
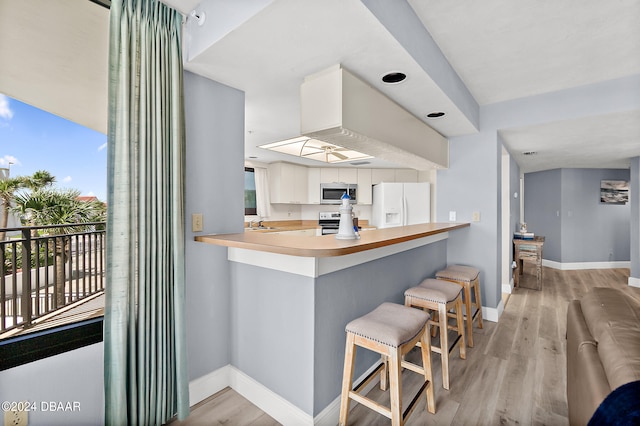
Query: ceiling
[[58, 65], [499, 51]]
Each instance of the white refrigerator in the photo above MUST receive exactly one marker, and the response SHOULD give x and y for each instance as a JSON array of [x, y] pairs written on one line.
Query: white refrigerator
[[400, 204]]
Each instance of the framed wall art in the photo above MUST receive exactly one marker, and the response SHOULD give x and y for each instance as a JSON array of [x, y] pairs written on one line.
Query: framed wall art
[[614, 191]]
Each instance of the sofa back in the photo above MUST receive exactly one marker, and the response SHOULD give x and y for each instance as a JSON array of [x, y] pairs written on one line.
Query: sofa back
[[613, 319]]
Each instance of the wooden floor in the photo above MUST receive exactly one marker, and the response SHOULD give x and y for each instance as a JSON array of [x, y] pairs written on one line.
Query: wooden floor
[[515, 374]]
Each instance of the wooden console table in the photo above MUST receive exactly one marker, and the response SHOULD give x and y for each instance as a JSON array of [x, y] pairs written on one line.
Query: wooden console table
[[528, 250]]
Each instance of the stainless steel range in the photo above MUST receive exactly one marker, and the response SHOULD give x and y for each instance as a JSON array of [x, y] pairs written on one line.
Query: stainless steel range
[[330, 222]]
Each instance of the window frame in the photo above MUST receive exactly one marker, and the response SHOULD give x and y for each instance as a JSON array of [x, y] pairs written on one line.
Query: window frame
[[25, 348], [250, 211]]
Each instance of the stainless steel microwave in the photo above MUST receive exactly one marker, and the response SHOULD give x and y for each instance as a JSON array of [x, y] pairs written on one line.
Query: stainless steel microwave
[[331, 193]]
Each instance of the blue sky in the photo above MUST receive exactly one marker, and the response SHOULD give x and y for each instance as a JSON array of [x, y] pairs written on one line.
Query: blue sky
[[33, 140]]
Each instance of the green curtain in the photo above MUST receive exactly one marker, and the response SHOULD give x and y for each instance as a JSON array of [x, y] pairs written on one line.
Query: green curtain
[[145, 373]]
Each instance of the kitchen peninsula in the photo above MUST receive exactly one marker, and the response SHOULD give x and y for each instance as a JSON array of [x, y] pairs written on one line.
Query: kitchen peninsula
[[292, 297]]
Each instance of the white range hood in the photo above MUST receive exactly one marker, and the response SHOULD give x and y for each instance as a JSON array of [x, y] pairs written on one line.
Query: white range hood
[[338, 108]]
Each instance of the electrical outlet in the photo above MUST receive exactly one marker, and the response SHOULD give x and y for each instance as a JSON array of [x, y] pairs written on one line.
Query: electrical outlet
[[475, 216], [196, 222], [452, 216], [16, 418]]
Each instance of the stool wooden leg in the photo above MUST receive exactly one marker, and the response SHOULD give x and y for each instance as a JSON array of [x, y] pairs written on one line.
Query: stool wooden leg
[[444, 344], [347, 378], [434, 330], [478, 303], [425, 348], [395, 383], [467, 305], [384, 374], [460, 327]]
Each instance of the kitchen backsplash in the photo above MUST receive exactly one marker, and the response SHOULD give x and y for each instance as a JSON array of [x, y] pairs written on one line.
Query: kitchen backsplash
[[309, 212]]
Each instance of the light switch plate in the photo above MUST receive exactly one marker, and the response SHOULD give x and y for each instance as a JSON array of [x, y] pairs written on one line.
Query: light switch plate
[[475, 217], [452, 216], [196, 222]]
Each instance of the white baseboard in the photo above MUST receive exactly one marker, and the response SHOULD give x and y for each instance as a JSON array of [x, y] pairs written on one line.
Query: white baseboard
[[262, 397], [566, 266], [205, 386], [634, 282], [268, 401], [493, 314]]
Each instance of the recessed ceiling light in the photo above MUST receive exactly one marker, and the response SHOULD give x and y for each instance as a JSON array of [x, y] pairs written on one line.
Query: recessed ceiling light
[[529, 153], [394, 77], [435, 114]]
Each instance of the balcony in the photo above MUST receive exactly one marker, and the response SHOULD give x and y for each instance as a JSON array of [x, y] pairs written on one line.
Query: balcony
[[51, 275]]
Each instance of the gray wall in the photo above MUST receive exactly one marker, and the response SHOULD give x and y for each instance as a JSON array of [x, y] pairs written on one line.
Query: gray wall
[[345, 295], [75, 376], [215, 188], [272, 331], [288, 330], [564, 206], [472, 183], [542, 206]]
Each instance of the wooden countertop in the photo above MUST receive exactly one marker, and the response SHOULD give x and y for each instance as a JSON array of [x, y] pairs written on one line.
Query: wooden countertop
[[327, 245]]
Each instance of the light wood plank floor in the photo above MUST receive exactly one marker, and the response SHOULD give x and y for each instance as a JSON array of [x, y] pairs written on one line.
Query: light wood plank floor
[[515, 374]]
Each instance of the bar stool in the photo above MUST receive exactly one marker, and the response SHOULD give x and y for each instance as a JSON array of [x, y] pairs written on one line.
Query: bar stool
[[441, 297], [468, 277], [391, 330]]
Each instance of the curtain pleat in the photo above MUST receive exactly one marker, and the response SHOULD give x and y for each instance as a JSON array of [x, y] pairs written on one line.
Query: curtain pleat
[[263, 202], [146, 378]]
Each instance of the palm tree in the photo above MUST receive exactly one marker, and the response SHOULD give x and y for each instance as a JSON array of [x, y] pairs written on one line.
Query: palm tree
[[58, 207], [8, 188], [38, 180]]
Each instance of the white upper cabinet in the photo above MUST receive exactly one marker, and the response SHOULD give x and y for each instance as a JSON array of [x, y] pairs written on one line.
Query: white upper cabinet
[[288, 183], [294, 184], [313, 185], [382, 175], [365, 192], [348, 175], [406, 175], [342, 175], [329, 175]]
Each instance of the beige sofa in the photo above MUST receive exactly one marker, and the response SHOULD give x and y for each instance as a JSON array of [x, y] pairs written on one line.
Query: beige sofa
[[603, 348]]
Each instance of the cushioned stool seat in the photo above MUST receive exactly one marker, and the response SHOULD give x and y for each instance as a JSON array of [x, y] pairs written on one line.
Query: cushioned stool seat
[[391, 330], [441, 297], [468, 277]]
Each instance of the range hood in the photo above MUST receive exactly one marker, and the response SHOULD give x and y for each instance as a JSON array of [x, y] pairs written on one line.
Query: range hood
[[338, 108]]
